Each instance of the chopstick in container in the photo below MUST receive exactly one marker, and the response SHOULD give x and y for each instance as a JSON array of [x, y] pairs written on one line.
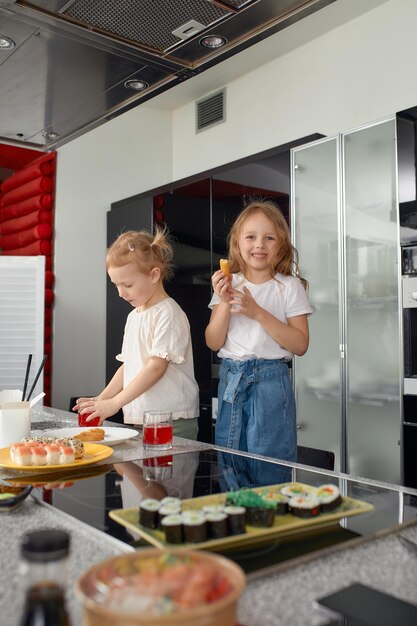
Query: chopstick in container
[[45, 356], [26, 376]]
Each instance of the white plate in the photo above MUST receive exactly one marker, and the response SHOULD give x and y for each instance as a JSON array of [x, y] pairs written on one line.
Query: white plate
[[112, 435]]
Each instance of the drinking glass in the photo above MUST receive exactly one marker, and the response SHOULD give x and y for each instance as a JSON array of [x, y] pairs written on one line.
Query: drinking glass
[[157, 430], [82, 419]]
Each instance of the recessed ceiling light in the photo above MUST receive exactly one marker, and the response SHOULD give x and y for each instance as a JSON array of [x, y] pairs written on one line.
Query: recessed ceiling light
[[6, 43], [213, 41], [50, 135], [136, 84]]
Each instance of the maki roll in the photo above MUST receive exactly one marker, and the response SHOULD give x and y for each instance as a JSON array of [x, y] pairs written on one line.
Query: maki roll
[[281, 502], [169, 508], [170, 500], [213, 508], [217, 525], [304, 507], [261, 516], [195, 526], [259, 512], [148, 513], [329, 497], [236, 517], [294, 489], [172, 527]]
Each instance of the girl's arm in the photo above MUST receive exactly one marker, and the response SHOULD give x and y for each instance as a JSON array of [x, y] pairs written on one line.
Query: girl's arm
[[148, 376], [293, 335], [148, 489], [216, 329]]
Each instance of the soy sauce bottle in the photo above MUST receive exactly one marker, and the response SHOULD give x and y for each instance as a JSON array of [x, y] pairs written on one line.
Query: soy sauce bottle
[[43, 568]]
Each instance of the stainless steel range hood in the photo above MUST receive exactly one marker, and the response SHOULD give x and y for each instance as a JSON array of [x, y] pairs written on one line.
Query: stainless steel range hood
[[72, 60]]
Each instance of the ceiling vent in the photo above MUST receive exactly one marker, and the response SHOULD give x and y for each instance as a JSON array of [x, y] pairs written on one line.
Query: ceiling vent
[[211, 110]]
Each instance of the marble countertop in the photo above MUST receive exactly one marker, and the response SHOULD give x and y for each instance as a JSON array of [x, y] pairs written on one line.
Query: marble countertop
[[45, 418], [280, 596], [285, 594]]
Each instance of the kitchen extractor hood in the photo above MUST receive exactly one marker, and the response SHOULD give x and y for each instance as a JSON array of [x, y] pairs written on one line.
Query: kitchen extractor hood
[[67, 66]]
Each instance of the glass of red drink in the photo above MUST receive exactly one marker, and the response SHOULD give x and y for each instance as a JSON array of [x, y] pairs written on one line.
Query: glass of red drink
[[82, 420], [158, 468], [157, 430]]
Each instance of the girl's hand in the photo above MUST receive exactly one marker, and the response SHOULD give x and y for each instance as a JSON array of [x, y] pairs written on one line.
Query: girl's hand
[[221, 285], [97, 408], [244, 303]]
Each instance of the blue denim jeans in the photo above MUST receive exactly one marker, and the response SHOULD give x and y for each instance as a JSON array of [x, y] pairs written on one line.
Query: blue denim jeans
[[256, 414], [257, 408]]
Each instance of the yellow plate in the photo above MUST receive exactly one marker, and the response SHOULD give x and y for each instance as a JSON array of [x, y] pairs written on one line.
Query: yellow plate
[[284, 525], [93, 452], [56, 476]]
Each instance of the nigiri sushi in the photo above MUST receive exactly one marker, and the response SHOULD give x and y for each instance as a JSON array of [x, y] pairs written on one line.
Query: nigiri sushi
[[23, 455], [39, 455], [66, 455], [53, 454]]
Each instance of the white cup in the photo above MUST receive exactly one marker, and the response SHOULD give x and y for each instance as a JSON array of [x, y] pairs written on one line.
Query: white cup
[[15, 422]]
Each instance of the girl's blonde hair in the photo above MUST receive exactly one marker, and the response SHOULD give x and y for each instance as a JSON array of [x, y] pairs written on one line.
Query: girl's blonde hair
[[143, 249], [286, 259]]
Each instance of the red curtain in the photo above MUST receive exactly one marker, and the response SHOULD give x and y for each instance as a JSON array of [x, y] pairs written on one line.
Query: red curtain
[[26, 228]]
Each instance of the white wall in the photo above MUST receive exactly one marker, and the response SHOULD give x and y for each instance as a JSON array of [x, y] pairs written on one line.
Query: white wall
[[110, 163], [356, 72]]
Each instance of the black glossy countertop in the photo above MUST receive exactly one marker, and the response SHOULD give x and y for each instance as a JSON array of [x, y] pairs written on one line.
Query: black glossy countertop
[[84, 498]]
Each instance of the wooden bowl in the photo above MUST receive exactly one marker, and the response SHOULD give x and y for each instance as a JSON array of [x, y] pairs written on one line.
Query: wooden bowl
[[91, 591]]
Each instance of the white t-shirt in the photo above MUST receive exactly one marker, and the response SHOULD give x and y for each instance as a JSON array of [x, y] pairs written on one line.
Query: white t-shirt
[[163, 331], [283, 297]]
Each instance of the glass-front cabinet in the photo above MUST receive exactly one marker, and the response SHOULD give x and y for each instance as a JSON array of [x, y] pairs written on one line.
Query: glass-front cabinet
[[345, 227]]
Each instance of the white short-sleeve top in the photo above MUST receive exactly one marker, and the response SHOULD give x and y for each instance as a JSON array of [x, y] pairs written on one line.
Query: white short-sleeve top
[[283, 297], [163, 331]]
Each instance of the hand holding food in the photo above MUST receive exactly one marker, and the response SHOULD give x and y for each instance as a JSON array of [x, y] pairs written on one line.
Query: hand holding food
[[225, 267]]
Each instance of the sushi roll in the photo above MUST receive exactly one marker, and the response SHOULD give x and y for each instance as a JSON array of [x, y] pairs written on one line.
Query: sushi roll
[[304, 506], [148, 512], [217, 525], [195, 526], [76, 444], [53, 454], [14, 448], [170, 500], [236, 517], [38, 455], [66, 455], [329, 497], [261, 516], [294, 490], [281, 502], [23, 455], [172, 527], [169, 508], [213, 508]]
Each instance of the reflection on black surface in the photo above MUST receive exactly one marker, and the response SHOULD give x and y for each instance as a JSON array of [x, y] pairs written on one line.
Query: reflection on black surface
[[188, 475], [238, 472]]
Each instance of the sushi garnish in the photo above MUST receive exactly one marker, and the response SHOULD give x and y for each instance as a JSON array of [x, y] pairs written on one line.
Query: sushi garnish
[[329, 497]]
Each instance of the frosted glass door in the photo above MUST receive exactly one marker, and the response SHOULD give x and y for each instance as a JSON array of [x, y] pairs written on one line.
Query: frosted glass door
[[372, 333], [315, 234]]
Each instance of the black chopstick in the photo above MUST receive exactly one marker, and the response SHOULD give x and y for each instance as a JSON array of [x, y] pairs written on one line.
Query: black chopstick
[[26, 376], [45, 356]]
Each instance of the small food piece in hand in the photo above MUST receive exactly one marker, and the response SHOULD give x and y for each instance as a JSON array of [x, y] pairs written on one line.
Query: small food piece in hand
[[92, 434], [225, 267]]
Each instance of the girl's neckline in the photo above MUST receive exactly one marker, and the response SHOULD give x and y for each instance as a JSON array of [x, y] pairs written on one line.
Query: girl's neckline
[[148, 308], [264, 282]]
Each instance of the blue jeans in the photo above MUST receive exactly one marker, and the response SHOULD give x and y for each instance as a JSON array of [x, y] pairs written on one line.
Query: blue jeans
[[257, 408]]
